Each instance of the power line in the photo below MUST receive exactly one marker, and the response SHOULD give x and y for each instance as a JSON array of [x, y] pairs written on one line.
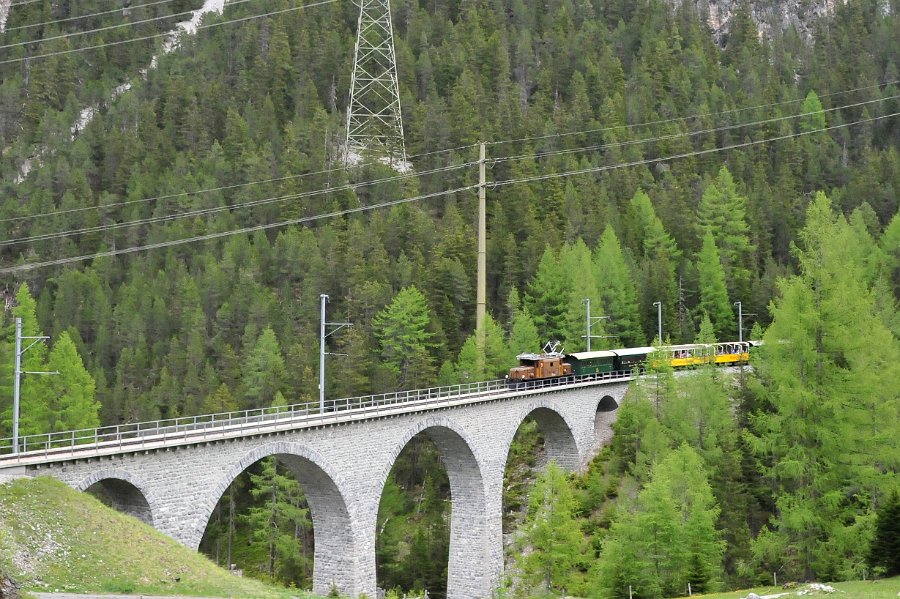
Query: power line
[[684, 155], [442, 151], [686, 133], [168, 34], [109, 27], [684, 118], [352, 186], [221, 188], [209, 236], [169, 196], [360, 209], [215, 209], [87, 16]]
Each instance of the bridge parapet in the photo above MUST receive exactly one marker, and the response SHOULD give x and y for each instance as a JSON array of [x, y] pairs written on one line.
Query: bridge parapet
[[342, 459], [152, 435]]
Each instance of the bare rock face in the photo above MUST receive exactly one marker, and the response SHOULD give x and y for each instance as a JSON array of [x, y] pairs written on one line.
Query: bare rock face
[[8, 587], [771, 16]]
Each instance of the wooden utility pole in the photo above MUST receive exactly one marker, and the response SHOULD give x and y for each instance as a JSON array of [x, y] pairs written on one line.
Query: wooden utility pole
[[482, 262]]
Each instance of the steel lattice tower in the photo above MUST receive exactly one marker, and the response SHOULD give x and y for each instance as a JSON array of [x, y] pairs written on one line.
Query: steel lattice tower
[[374, 122]]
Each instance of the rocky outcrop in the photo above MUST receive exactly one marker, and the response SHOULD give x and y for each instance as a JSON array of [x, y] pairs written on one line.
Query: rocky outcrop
[[771, 16], [8, 587]]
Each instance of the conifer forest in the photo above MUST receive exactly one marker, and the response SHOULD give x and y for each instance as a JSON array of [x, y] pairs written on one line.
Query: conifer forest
[[633, 157]]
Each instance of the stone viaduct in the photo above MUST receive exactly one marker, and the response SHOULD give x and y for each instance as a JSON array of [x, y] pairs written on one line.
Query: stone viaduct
[[343, 463]]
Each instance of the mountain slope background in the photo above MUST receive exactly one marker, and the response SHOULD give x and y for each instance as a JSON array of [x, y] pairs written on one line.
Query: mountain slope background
[[243, 113]]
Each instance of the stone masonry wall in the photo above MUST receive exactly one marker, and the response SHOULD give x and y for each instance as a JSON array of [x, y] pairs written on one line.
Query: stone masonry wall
[[343, 469]]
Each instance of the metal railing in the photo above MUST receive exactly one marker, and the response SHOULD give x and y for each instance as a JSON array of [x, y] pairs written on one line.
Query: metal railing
[[158, 433]]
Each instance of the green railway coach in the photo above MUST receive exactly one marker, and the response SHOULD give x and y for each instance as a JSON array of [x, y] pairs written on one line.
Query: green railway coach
[[594, 362]]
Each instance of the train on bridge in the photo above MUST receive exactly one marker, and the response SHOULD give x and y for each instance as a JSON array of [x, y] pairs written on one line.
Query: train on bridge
[[554, 364]]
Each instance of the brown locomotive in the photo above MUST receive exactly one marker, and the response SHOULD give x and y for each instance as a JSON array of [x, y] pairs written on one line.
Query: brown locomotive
[[547, 365]]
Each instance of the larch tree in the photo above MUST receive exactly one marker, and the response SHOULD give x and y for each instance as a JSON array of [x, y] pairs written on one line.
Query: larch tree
[[264, 371], [552, 532], [278, 520], [829, 426], [32, 401], [668, 540], [658, 265], [575, 261], [523, 334], [496, 355], [70, 403]]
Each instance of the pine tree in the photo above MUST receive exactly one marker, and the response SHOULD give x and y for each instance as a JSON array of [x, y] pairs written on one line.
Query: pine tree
[[402, 329], [547, 297], [722, 213], [885, 552], [618, 292], [713, 294]]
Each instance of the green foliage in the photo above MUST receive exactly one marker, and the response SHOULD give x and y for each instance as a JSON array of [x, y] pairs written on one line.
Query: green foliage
[[277, 522], [670, 537], [828, 367], [552, 534], [713, 294], [617, 291], [885, 550], [814, 118], [264, 372], [412, 545], [405, 339], [497, 355], [547, 298], [229, 324], [722, 214]]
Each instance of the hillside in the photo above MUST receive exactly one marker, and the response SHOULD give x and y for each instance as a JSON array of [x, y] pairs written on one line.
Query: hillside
[[635, 158], [54, 538]]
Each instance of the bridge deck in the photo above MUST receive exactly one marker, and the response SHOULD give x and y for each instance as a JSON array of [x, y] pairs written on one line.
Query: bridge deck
[[35, 450]]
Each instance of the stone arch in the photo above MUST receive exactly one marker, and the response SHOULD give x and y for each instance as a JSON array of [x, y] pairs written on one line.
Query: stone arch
[[122, 491], [334, 560], [607, 403], [471, 569], [560, 442]]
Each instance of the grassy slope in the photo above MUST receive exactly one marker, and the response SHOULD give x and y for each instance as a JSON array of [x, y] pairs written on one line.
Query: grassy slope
[[52, 537]]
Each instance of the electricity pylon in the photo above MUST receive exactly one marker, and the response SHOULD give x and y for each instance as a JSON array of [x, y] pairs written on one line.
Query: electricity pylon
[[374, 123]]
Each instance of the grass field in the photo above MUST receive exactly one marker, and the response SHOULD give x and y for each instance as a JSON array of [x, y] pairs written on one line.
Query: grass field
[[878, 589], [54, 538]]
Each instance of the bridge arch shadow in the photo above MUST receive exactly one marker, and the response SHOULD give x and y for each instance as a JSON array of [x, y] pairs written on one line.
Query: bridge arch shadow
[[607, 403], [334, 544], [123, 492], [468, 569], [560, 445]]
